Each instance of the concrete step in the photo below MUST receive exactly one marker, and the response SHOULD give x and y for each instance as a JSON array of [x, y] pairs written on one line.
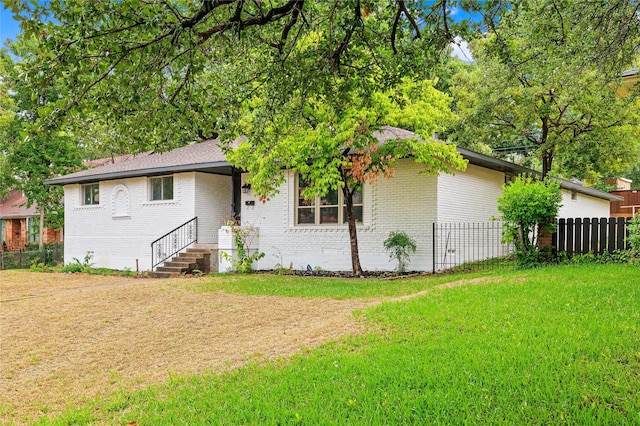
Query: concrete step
[[185, 259], [163, 274], [185, 262], [191, 251], [183, 265], [173, 269]]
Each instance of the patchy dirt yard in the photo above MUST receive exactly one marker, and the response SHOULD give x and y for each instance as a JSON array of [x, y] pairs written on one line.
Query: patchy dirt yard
[[65, 339]]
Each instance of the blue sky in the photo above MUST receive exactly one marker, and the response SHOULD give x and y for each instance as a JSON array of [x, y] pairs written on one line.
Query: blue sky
[[8, 26]]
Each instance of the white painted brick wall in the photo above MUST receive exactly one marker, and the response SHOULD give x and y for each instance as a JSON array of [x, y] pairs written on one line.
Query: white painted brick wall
[[469, 199], [121, 228], [583, 206], [212, 204], [117, 241], [469, 196], [406, 202]]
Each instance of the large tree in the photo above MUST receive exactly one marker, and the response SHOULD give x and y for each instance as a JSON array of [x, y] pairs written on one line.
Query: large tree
[[31, 153], [165, 72], [328, 140], [544, 84], [312, 74]]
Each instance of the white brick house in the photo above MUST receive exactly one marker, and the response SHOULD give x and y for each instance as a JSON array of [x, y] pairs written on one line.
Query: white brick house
[[141, 199], [113, 212]]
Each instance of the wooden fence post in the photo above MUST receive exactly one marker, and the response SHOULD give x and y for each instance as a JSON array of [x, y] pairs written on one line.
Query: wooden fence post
[[586, 235], [562, 228], [611, 229]]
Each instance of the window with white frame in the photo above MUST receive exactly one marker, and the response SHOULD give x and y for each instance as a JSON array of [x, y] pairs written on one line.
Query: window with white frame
[[33, 229], [3, 231], [328, 210], [161, 188], [91, 194]]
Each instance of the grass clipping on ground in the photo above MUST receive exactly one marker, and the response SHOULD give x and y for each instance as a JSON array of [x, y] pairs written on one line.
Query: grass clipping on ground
[[69, 347]]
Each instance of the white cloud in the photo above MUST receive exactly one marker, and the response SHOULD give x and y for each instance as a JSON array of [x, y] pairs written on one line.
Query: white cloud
[[454, 11], [461, 50]]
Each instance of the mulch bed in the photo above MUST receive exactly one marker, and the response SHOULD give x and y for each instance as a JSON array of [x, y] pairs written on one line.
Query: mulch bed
[[343, 274]]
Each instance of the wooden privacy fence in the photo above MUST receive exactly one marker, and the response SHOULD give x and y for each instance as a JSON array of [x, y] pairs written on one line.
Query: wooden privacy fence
[[596, 235]]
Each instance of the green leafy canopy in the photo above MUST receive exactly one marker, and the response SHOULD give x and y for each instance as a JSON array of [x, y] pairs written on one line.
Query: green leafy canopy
[[319, 140], [544, 87]]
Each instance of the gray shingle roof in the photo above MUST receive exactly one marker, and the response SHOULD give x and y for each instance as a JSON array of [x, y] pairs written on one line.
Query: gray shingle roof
[[204, 156], [209, 157]]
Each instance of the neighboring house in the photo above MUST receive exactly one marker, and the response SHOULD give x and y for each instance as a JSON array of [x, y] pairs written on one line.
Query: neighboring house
[[630, 79], [619, 184], [117, 210], [629, 205], [20, 224]]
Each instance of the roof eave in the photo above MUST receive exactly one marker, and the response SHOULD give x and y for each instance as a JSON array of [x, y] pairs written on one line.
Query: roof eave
[[153, 171], [493, 163], [565, 184], [497, 164]]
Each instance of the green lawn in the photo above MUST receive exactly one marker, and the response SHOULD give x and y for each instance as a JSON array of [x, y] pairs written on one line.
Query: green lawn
[[553, 346], [335, 288]]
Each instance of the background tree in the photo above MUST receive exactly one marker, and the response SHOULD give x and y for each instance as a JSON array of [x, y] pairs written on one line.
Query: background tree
[[544, 85], [7, 114], [312, 74], [32, 154]]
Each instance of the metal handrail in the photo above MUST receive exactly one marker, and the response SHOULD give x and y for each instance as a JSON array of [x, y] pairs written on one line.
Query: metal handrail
[[174, 241]]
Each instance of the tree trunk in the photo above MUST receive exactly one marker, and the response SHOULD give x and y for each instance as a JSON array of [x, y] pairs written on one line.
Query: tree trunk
[[547, 151], [353, 235], [41, 231], [523, 239], [547, 159]]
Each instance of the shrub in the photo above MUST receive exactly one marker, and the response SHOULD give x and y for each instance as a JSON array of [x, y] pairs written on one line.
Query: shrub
[[400, 246], [634, 234], [243, 236], [528, 206], [77, 266]]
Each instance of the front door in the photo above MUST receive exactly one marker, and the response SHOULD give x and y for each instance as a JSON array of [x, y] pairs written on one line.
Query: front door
[[236, 182]]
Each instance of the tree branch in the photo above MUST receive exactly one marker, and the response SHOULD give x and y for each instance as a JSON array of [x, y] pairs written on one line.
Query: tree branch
[[285, 32], [447, 32], [412, 21], [357, 19], [182, 84], [273, 14], [394, 28], [207, 7]]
